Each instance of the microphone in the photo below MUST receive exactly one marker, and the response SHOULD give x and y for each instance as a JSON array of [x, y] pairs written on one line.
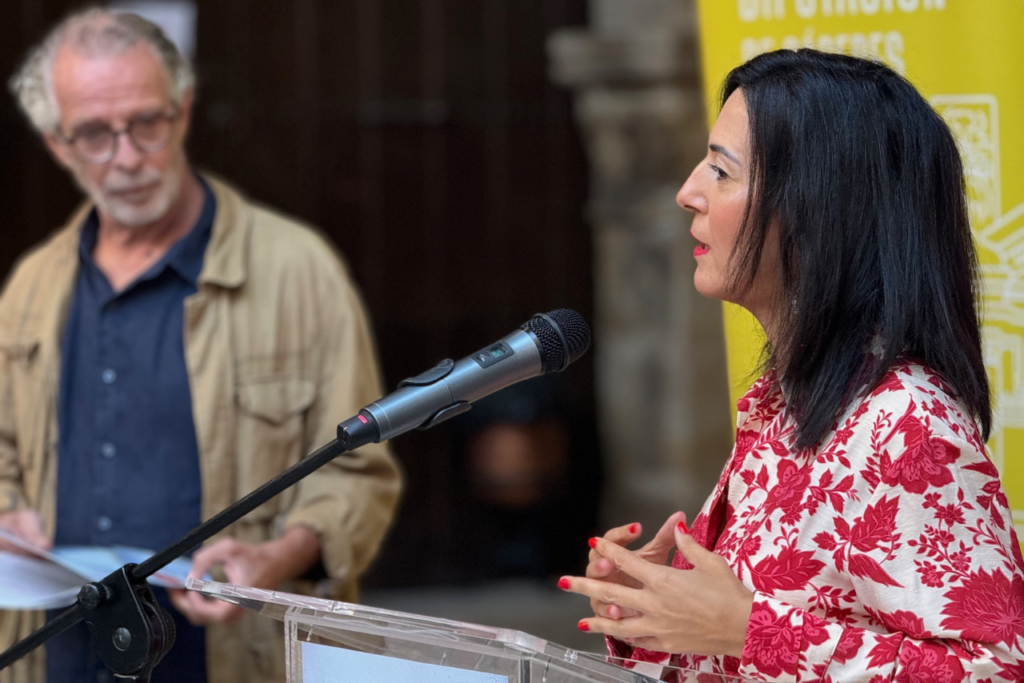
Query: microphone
[[547, 343]]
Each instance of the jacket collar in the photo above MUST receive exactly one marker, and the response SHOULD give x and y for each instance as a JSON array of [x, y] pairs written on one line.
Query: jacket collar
[[224, 263]]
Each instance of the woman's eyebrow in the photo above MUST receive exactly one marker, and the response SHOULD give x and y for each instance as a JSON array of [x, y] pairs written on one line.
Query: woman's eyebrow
[[728, 155]]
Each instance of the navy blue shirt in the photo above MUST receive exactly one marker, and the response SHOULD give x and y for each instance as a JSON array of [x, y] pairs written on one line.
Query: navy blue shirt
[[127, 459]]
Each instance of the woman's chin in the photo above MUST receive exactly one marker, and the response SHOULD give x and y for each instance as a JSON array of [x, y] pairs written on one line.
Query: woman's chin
[[708, 287]]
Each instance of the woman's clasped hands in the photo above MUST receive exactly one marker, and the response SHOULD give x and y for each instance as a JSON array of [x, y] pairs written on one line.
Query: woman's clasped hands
[[639, 599]]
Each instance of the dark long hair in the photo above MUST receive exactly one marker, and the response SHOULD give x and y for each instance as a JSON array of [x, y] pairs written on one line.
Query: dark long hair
[[865, 185]]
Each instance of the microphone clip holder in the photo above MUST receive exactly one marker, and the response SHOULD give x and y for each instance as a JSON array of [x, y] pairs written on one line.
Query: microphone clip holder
[[132, 633]]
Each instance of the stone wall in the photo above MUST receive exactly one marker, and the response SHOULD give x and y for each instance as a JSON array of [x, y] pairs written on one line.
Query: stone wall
[[660, 355]]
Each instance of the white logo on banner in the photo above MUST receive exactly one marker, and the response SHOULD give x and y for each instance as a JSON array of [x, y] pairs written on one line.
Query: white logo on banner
[[974, 120]]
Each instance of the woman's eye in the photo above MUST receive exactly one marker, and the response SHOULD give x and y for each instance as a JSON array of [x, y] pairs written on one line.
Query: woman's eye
[[719, 173]]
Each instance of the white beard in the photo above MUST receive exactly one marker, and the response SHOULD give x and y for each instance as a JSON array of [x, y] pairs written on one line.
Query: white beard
[[133, 214]]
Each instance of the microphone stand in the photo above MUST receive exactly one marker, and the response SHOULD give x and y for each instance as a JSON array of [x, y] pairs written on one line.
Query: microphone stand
[[132, 632]]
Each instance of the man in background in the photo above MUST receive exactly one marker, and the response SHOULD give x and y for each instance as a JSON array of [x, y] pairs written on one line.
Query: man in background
[[170, 349]]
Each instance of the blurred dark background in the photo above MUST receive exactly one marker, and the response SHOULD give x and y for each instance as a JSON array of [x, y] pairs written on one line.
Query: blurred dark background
[[476, 162], [426, 140]]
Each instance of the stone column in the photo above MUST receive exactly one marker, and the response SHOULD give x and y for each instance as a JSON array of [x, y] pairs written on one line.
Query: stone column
[[662, 390]]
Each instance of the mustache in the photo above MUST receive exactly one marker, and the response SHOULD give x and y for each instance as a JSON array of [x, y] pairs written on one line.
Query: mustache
[[124, 182]]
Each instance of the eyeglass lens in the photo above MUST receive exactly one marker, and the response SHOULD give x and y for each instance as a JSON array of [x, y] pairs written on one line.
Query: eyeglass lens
[[147, 134]]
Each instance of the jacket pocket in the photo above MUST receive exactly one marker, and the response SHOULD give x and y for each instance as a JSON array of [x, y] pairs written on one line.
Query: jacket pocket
[[275, 399], [271, 433], [18, 347]]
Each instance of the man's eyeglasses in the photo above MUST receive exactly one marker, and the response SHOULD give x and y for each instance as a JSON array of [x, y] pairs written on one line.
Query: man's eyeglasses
[[97, 143]]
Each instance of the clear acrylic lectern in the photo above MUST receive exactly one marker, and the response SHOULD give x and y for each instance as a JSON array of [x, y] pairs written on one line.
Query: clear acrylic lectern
[[330, 642]]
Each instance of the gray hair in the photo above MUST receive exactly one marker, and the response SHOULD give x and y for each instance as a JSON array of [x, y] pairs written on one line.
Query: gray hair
[[93, 33]]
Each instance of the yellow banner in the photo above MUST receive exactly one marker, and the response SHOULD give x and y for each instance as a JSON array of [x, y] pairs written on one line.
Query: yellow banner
[[967, 57]]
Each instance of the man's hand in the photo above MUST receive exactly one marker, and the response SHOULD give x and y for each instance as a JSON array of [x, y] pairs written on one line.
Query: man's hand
[[264, 565], [28, 526]]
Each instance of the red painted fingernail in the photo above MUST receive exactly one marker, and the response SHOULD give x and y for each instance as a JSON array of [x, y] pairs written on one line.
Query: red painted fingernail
[[582, 626], [633, 528], [592, 543], [682, 527], [563, 583]]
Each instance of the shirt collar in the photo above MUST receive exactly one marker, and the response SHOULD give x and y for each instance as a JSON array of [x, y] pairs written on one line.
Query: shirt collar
[[186, 256]]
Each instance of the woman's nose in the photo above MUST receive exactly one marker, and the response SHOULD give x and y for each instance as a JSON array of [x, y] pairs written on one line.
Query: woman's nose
[[690, 197]]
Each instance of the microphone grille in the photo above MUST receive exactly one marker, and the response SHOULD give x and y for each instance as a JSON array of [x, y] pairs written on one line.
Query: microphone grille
[[563, 335]]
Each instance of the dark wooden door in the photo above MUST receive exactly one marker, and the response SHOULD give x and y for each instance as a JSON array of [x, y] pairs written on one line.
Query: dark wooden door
[[423, 137]]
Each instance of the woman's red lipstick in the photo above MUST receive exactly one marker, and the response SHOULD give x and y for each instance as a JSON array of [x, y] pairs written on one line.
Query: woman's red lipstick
[[701, 248]]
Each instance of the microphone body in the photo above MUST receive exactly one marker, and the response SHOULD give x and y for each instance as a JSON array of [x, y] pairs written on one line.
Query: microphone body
[[547, 343], [453, 386]]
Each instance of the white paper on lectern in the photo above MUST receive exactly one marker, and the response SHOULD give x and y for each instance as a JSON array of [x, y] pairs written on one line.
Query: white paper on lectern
[[325, 664]]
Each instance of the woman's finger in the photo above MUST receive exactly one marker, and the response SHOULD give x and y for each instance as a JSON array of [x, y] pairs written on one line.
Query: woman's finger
[[604, 609], [619, 612], [613, 611], [622, 629], [658, 548], [624, 534], [626, 561], [621, 535], [694, 552], [600, 569], [601, 591]]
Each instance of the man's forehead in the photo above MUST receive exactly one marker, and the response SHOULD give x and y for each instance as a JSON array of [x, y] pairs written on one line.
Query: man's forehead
[[108, 86]]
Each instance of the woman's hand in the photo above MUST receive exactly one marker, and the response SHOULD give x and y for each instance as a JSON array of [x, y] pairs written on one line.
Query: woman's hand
[[703, 610], [601, 568]]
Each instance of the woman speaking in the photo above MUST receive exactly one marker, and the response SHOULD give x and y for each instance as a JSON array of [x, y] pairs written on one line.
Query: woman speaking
[[859, 532]]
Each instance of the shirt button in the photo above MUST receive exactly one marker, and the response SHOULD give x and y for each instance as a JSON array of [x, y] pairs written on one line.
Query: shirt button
[[109, 450], [109, 376], [104, 524], [103, 676]]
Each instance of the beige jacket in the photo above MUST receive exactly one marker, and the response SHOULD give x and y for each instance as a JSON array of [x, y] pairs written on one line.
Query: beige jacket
[[278, 352]]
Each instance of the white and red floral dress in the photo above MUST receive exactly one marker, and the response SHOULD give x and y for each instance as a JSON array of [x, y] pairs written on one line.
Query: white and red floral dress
[[886, 554]]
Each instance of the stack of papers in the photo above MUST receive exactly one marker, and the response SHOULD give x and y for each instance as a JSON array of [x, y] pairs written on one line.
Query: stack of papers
[[50, 579]]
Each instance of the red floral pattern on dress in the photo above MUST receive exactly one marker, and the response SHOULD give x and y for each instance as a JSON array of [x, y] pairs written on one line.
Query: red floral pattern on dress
[[988, 607], [789, 570], [927, 662], [884, 651], [885, 554], [905, 622], [771, 644], [849, 645]]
